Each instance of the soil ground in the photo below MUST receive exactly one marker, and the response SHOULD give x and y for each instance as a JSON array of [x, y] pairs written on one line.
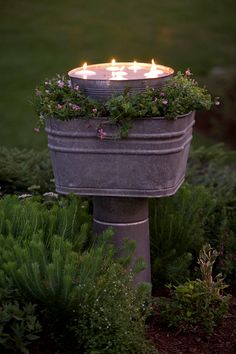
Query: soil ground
[[222, 341]]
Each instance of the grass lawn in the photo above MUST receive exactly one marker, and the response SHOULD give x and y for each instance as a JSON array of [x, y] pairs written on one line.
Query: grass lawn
[[41, 38]]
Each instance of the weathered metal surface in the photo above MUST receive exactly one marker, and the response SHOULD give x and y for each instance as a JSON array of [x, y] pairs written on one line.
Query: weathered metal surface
[[128, 217], [150, 162]]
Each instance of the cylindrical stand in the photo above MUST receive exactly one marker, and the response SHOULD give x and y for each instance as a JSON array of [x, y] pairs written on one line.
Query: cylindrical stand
[[128, 217]]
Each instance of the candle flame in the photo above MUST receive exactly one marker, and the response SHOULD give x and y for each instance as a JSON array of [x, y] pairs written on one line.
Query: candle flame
[[85, 66], [154, 66], [113, 62]]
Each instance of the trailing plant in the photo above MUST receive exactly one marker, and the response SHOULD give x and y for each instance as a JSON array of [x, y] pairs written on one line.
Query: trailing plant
[[57, 98], [197, 303], [177, 232], [22, 170]]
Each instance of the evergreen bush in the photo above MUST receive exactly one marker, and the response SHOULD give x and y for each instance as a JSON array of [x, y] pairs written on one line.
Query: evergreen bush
[[177, 232], [22, 169], [66, 217]]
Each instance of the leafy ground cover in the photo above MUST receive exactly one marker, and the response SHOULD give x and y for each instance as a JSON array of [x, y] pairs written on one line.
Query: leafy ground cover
[[40, 39]]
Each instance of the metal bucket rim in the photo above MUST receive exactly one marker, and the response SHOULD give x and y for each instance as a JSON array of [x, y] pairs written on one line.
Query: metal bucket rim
[[71, 73]]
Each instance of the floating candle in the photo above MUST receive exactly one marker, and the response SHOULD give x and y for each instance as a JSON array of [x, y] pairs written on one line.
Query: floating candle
[[135, 67], [130, 71], [113, 66], [154, 72], [85, 72], [119, 75]]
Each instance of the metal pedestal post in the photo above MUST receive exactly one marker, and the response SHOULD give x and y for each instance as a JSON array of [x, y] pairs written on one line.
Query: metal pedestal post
[[129, 219]]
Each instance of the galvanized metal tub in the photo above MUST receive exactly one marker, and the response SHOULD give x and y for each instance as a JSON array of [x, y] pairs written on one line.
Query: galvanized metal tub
[[103, 89], [150, 162]]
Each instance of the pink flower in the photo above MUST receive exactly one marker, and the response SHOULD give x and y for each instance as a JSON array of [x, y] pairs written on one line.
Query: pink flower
[[188, 72], [94, 110], [59, 106], [60, 83], [101, 133], [162, 94], [75, 107], [165, 102], [37, 130], [76, 87]]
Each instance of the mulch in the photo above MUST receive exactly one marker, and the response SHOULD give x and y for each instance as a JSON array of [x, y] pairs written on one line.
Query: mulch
[[170, 341]]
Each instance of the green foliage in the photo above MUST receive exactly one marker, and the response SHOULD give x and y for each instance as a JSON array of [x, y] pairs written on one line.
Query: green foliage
[[78, 286], [180, 95], [213, 167], [66, 217], [183, 95], [84, 295], [56, 98], [19, 324], [177, 232], [21, 169], [197, 303], [111, 316]]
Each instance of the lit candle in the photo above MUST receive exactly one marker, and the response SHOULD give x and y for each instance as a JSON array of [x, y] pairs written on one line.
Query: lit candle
[[113, 66], [119, 75], [135, 67], [154, 72], [85, 72]]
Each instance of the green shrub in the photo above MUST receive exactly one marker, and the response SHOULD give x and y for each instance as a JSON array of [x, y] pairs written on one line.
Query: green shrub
[[46, 256], [19, 324], [212, 167], [22, 169], [177, 232], [83, 295], [197, 303], [67, 217]]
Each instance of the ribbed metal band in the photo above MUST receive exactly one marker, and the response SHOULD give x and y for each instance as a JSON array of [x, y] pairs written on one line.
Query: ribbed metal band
[[117, 192], [119, 151], [141, 136], [115, 224]]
